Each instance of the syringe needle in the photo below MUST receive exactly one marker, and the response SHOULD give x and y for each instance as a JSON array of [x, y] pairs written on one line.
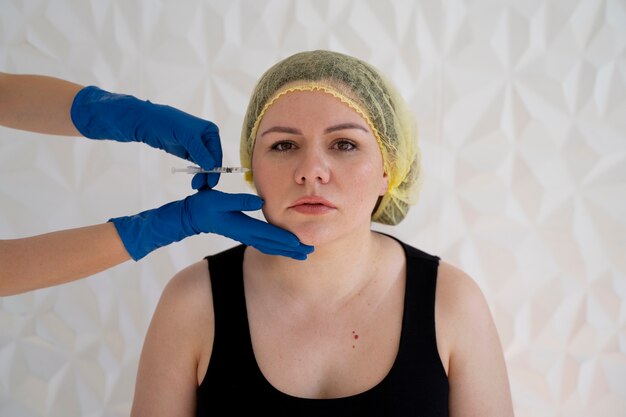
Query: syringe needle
[[175, 170], [217, 170]]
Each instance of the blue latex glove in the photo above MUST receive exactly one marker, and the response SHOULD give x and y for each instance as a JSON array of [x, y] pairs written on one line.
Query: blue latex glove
[[98, 114], [207, 211]]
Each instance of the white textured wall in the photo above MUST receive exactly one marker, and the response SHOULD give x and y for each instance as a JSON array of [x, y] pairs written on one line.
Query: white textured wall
[[522, 113]]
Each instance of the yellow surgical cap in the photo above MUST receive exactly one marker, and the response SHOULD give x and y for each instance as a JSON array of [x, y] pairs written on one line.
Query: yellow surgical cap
[[363, 88]]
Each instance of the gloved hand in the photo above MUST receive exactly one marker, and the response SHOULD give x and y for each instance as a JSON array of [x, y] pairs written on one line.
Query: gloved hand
[[207, 211], [98, 114]]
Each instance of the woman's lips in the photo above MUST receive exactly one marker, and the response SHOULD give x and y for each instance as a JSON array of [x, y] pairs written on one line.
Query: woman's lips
[[312, 205]]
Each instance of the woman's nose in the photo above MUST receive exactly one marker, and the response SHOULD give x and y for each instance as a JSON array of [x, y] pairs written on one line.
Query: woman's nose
[[313, 167]]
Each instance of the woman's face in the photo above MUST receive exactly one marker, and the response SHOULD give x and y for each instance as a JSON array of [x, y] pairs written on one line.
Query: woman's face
[[318, 167]]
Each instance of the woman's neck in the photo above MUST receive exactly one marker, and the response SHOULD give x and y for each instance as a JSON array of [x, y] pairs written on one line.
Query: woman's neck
[[334, 272]]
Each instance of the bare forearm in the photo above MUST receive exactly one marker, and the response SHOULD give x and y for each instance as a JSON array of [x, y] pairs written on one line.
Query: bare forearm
[[58, 257], [37, 103]]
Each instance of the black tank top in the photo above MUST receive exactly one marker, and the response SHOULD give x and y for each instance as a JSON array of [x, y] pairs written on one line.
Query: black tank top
[[416, 385]]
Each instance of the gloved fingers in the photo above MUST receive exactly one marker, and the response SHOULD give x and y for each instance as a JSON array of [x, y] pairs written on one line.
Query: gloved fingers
[[300, 256], [275, 243], [218, 201], [204, 181], [204, 149], [217, 212], [255, 232], [212, 142]]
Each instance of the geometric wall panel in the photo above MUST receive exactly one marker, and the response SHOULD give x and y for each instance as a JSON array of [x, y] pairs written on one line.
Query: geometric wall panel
[[522, 117]]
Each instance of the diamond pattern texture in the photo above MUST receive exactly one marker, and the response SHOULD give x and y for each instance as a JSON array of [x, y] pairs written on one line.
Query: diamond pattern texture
[[522, 115]]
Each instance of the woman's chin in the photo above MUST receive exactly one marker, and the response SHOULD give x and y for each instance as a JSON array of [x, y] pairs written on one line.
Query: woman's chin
[[314, 236], [313, 233]]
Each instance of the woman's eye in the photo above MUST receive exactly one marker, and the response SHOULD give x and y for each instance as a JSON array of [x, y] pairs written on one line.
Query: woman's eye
[[344, 145], [283, 146]]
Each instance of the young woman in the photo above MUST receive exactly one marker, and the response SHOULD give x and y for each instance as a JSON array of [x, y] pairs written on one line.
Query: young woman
[[366, 325]]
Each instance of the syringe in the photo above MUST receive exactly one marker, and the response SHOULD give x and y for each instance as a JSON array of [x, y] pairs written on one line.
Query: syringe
[[191, 169]]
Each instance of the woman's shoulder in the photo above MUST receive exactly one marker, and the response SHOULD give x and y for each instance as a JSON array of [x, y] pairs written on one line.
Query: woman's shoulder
[[462, 313], [469, 345], [458, 298], [455, 287], [408, 250], [190, 279], [457, 291], [195, 279], [188, 292]]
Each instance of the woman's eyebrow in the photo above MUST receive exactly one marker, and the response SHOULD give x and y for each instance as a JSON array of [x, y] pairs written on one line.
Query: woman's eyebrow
[[343, 126], [282, 129]]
